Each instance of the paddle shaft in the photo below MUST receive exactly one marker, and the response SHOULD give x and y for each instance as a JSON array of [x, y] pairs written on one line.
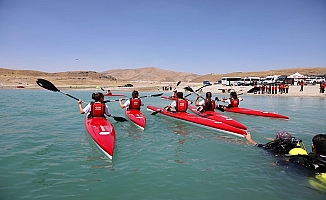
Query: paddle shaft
[[153, 95], [49, 86]]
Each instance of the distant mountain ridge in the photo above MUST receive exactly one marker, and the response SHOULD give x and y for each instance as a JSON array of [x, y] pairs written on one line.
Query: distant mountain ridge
[[118, 76], [150, 74]]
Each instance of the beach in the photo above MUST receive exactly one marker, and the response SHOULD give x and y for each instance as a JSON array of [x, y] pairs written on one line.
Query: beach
[[153, 86], [219, 89]]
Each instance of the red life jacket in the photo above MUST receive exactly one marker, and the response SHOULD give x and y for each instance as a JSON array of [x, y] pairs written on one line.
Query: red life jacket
[[182, 105], [135, 104], [234, 102], [206, 106], [97, 109]]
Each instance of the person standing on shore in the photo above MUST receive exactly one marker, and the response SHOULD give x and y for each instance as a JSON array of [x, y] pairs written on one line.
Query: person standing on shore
[[322, 87], [286, 88], [302, 84]]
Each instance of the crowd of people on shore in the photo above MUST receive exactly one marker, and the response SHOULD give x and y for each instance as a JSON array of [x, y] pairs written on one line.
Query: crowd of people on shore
[[281, 88]]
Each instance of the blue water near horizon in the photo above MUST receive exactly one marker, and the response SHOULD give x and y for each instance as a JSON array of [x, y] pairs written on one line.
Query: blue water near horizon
[[46, 153]]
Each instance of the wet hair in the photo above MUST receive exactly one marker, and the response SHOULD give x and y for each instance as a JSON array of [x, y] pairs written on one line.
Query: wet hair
[[134, 94], [234, 95], [319, 142], [208, 101], [97, 96], [282, 135], [180, 95]]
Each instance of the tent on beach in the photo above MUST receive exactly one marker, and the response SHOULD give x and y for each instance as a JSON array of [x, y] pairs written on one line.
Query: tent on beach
[[297, 75], [295, 78]]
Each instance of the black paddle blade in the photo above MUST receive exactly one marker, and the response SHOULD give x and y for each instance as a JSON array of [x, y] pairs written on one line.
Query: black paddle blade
[[47, 85], [119, 119], [178, 83], [156, 95], [189, 89], [154, 113], [220, 108]]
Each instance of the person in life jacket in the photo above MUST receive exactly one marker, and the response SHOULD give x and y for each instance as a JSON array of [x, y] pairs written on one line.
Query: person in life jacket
[[179, 105], [281, 145], [96, 108], [132, 103], [316, 160], [207, 104], [233, 101], [109, 92], [174, 95]]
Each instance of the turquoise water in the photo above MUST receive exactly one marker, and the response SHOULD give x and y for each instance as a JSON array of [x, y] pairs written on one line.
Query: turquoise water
[[45, 152]]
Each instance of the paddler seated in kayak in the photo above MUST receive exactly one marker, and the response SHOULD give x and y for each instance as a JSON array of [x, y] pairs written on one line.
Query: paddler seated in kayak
[[233, 101], [174, 95], [282, 144], [109, 92], [179, 105], [132, 103], [206, 104], [95, 109]]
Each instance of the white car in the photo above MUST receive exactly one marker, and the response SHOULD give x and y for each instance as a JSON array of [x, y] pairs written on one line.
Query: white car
[[320, 79], [312, 81]]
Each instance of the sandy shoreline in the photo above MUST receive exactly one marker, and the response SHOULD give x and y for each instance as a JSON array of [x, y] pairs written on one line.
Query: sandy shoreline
[[294, 90]]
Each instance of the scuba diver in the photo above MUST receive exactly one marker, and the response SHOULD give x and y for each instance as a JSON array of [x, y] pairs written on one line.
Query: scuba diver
[[281, 145]]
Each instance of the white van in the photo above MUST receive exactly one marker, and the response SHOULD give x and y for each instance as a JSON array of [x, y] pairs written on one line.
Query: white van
[[251, 81], [270, 79], [230, 81]]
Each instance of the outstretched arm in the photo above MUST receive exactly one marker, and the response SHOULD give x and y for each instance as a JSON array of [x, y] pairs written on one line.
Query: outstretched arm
[[121, 105], [80, 106], [249, 139]]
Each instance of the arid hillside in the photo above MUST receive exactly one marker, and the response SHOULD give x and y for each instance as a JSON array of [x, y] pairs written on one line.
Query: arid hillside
[[151, 76]]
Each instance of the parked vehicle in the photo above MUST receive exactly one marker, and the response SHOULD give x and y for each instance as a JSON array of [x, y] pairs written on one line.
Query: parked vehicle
[[206, 83], [230, 81], [127, 85], [320, 79], [270, 79], [281, 79], [312, 81]]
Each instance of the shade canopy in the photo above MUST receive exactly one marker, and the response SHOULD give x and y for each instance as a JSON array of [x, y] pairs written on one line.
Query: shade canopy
[[297, 75]]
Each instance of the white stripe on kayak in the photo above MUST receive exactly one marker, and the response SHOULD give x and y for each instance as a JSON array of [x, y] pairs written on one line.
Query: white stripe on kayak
[[105, 133]]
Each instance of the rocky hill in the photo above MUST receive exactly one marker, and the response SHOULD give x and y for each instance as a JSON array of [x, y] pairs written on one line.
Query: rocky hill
[[150, 74], [12, 78]]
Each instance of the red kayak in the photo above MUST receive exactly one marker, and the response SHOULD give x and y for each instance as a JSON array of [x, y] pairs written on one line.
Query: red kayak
[[248, 111], [137, 117], [200, 121], [114, 95], [168, 98], [217, 117], [103, 134]]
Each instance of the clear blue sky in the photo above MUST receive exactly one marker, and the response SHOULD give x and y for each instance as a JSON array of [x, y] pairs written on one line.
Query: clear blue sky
[[197, 36]]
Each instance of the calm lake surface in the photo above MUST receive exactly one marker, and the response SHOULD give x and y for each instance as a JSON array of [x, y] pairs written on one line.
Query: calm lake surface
[[46, 153]]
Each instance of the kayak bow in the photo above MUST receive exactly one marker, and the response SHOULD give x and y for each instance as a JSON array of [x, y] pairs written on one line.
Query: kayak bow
[[248, 111], [217, 117], [200, 121], [102, 133], [137, 117]]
